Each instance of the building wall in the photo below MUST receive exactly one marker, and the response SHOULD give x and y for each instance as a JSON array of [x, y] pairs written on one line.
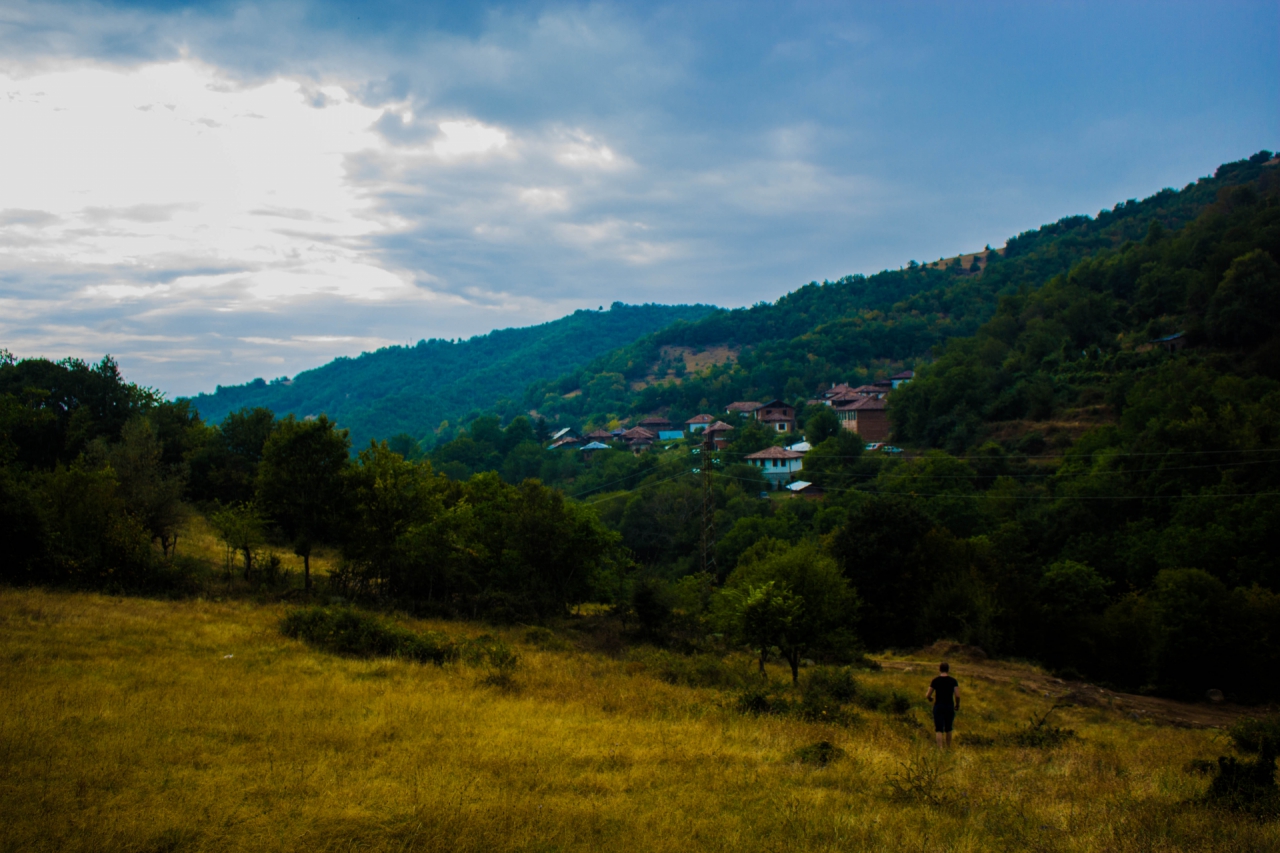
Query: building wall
[[871, 424]]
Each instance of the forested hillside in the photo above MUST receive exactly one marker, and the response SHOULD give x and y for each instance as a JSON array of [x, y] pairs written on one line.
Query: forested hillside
[[1092, 475], [852, 330], [413, 389]]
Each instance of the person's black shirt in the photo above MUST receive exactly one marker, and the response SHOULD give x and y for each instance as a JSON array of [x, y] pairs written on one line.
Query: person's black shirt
[[944, 688]]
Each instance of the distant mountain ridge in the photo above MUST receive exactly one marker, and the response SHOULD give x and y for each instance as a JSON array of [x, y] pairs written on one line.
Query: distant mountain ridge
[[413, 389], [858, 328]]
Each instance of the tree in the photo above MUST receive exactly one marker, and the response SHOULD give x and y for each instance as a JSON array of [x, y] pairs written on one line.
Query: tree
[[240, 528], [820, 423], [396, 536], [878, 552], [150, 490], [793, 597], [300, 482], [1245, 308], [761, 615]]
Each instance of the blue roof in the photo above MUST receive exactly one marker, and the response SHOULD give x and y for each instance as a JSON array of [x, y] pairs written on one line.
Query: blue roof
[[595, 445]]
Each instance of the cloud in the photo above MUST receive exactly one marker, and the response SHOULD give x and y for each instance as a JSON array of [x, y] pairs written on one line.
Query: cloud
[[206, 189]]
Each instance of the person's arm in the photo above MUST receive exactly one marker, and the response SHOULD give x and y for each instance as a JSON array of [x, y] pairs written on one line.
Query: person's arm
[[928, 695], [957, 695]]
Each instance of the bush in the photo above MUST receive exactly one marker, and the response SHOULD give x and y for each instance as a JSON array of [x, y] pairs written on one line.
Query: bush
[[1256, 736], [892, 701], [762, 699], [702, 670], [545, 639], [494, 655], [835, 682], [1248, 786], [1039, 735], [346, 631], [821, 754]]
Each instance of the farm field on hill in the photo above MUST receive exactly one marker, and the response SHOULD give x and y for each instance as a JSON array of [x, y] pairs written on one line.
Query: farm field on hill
[[135, 724]]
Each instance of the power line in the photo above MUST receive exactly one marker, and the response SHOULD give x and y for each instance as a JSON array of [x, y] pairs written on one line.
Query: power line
[[989, 496]]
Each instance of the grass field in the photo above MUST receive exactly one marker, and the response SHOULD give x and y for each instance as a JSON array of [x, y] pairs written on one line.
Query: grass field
[[140, 725]]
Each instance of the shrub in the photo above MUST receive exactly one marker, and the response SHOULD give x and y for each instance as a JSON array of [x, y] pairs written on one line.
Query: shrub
[[892, 701], [491, 653], [346, 631], [835, 682], [1038, 735], [1244, 785], [545, 639], [701, 670], [1254, 736], [762, 699], [920, 780], [821, 754]]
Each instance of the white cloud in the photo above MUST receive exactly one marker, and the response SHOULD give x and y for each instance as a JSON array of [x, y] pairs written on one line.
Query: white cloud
[[170, 164], [468, 139]]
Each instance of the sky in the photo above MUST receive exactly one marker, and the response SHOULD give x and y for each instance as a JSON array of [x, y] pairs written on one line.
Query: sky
[[213, 192]]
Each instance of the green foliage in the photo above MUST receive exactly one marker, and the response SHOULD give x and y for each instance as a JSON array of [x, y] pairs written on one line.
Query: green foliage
[[347, 631], [693, 670], [412, 390], [819, 754], [1257, 734], [300, 482], [793, 597], [1038, 734]]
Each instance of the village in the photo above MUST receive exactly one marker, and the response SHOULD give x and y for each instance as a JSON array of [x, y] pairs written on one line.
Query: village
[[861, 409]]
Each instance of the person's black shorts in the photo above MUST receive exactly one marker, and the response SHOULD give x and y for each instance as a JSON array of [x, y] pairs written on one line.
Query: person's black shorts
[[943, 718]]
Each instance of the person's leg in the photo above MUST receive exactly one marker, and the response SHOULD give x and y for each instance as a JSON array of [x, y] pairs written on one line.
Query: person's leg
[[948, 737], [938, 736]]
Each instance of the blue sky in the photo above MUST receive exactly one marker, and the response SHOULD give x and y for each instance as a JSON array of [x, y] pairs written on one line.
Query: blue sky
[[218, 191]]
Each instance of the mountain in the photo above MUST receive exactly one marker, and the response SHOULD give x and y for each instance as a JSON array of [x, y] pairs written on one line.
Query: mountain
[[859, 328], [413, 389]]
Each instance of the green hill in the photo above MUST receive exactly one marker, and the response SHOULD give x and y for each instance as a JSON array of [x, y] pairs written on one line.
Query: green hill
[[858, 328], [413, 389]]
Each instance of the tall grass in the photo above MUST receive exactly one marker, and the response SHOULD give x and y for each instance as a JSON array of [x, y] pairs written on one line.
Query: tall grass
[[138, 725]]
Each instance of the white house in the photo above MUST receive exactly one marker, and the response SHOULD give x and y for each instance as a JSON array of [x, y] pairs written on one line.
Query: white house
[[777, 464]]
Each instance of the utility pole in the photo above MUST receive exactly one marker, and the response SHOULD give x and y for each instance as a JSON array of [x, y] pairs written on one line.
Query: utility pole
[[708, 505]]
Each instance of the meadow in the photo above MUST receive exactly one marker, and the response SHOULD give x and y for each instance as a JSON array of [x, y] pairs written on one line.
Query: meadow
[[134, 724]]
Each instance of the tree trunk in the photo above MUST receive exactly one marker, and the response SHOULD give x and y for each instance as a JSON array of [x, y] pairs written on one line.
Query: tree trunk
[[248, 562], [763, 652], [306, 570], [793, 658]]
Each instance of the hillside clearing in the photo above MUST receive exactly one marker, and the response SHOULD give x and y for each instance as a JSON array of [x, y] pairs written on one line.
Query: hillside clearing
[[133, 724]]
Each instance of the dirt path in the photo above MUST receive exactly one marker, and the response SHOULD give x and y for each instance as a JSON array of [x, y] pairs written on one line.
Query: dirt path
[[1150, 708]]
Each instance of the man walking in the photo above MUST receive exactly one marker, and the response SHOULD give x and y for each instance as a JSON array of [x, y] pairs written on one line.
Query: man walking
[[944, 693]]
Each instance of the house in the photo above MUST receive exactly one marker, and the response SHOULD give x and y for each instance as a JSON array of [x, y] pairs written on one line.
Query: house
[[638, 433], [900, 379], [567, 441], [567, 432], [599, 435], [589, 450], [670, 435], [718, 434], [867, 416], [844, 393], [800, 447], [776, 415], [741, 408], [698, 423], [655, 424], [777, 463]]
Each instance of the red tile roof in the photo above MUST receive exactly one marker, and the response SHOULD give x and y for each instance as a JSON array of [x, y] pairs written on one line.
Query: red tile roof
[[701, 419], [776, 453], [719, 426], [742, 407]]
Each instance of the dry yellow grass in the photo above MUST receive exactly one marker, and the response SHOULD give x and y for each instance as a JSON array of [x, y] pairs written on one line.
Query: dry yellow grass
[[131, 724]]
